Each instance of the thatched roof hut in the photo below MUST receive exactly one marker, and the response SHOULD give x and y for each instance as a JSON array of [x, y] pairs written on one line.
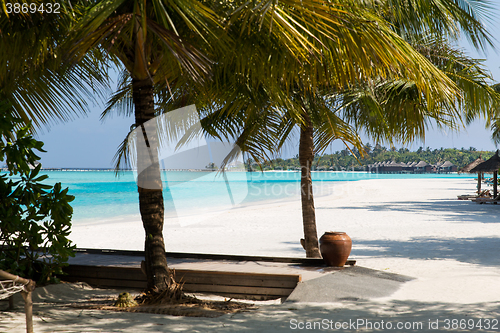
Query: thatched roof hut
[[446, 164], [471, 166], [468, 168], [491, 165], [422, 164]]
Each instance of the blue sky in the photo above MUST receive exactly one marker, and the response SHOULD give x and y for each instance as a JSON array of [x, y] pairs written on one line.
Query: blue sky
[[87, 142]]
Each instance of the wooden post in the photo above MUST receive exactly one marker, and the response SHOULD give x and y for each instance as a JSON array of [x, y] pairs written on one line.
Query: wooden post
[[495, 184], [479, 183], [28, 310]]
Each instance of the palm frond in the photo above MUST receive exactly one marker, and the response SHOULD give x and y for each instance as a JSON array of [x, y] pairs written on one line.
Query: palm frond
[[449, 18], [495, 134], [41, 88], [120, 102]]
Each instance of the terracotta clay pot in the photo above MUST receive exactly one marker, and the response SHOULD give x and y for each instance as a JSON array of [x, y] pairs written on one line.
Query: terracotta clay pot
[[335, 248]]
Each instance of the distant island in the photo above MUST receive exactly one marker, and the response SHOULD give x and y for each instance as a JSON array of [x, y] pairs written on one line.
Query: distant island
[[380, 158]]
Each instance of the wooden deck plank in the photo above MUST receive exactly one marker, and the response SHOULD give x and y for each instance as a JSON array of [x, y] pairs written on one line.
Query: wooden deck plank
[[238, 280], [203, 256], [237, 290], [243, 296], [106, 272], [188, 276]]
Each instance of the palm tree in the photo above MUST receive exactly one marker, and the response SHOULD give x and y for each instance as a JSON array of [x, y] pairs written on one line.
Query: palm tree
[[245, 76], [152, 42], [407, 110], [401, 111], [277, 114], [272, 108]]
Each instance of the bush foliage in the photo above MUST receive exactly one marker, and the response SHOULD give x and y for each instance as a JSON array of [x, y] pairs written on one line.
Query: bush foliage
[[35, 218]]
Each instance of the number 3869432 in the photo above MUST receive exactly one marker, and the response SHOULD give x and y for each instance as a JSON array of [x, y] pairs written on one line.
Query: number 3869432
[[27, 8]]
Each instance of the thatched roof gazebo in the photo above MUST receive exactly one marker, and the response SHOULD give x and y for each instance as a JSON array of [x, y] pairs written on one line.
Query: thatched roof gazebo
[[469, 167], [491, 165]]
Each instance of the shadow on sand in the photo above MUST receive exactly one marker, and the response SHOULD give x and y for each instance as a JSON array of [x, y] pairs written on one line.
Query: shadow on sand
[[452, 210], [479, 250], [360, 315], [473, 250]]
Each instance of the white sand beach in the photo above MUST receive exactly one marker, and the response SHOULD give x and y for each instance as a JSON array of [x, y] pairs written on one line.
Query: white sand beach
[[412, 227]]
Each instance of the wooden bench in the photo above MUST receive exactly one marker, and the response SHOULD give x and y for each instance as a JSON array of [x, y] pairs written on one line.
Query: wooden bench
[[254, 286]]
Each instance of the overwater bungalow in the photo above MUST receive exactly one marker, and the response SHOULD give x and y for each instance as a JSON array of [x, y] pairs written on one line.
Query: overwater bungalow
[[411, 167], [447, 167]]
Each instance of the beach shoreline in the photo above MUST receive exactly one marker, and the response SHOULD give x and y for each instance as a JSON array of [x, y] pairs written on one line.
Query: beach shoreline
[[345, 206]]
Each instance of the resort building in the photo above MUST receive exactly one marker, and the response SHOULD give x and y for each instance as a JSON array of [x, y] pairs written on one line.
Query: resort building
[[411, 167]]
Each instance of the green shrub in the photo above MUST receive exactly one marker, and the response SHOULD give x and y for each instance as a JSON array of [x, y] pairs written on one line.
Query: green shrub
[[35, 218]]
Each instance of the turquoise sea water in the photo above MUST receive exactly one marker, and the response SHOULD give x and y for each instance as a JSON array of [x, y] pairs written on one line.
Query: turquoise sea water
[[102, 195]]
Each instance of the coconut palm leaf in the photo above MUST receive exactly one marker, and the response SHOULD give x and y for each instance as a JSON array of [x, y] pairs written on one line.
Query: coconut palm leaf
[[40, 88], [494, 120], [396, 108], [339, 29], [120, 102], [146, 38], [495, 134], [450, 18]]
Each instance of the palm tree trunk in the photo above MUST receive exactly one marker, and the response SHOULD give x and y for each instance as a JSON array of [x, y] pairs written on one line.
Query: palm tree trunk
[[306, 156], [149, 187]]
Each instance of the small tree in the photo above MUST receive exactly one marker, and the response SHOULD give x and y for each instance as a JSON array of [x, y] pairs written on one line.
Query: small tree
[[35, 218]]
